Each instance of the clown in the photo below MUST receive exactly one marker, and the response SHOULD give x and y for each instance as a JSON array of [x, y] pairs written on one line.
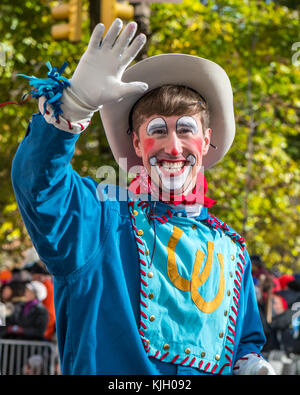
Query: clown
[[150, 284]]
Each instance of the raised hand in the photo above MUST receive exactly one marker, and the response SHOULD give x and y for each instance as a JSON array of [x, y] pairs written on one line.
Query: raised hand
[[98, 77]]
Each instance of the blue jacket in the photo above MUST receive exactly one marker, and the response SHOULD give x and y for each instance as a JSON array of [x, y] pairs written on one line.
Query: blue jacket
[[90, 248]]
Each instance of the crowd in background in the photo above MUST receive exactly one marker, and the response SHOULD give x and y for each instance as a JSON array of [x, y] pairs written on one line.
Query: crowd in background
[[278, 297], [27, 296], [27, 316], [27, 304]]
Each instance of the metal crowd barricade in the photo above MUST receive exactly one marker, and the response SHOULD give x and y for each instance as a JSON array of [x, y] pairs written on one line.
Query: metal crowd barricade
[[22, 357]]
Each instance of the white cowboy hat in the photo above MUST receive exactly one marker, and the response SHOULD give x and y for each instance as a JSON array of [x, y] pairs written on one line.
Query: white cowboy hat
[[202, 75]]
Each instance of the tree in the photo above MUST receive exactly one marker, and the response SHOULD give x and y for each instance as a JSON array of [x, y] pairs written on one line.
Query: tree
[[257, 183], [26, 45], [288, 3]]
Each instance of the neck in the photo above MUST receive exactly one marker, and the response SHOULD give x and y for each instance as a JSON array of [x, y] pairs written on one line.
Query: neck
[[191, 210]]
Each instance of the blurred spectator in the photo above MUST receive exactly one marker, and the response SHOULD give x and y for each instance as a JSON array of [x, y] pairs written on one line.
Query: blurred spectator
[[297, 276], [5, 276], [6, 293], [290, 290], [284, 280], [2, 314], [40, 273], [30, 256], [18, 288], [279, 332], [276, 282], [34, 366], [29, 318], [257, 266], [12, 294], [279, 305], [295, 284], [20, 275], [276, 300]]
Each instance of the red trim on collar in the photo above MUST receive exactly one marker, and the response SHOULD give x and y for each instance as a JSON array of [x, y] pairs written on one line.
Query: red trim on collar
[[142, 185]]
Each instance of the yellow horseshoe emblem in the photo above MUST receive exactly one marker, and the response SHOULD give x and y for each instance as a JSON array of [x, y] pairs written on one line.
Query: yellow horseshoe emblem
[[197, 280]]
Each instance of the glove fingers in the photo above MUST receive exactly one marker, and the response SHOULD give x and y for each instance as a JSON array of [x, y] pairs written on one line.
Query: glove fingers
[[134, 49], [112, 33], [131, 88], [125, 37], [96, 36]]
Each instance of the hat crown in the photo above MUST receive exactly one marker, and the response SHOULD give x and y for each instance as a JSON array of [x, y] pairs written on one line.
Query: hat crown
[[202, 75]]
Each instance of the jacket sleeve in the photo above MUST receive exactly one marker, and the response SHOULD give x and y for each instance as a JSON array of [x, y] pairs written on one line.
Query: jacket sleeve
[[60, 209], [251, 334]]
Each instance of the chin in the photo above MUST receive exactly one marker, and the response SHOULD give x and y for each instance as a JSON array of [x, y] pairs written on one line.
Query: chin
[[167, 188]]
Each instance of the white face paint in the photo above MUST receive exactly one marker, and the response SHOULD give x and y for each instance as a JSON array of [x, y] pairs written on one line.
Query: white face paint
[[186, 124], [172, 182], [157, 126]]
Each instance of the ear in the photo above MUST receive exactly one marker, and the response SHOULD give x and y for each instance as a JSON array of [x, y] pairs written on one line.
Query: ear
[[136, 144], [207, 135]]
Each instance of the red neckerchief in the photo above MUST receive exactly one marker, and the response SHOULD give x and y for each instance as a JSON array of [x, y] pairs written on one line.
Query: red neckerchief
[[142, 185]]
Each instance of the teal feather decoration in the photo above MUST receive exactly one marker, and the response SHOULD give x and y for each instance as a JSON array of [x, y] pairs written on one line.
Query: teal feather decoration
[[51, 88]]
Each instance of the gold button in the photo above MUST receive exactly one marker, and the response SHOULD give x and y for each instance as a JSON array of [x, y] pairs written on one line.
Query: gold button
[[151, 295], [217, 357], [228, 293], [150, 274], [232, 257], [166, 347], [135, 213], [147, 342], [221, 334], [187, 350], [203, 354], [231, 274], [225, 313], [147, 252], [140, 232], [194, 226], [152, 318]]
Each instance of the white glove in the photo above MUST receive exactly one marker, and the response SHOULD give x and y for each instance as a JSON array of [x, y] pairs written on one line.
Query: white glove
[[98, 77], [253, 364]]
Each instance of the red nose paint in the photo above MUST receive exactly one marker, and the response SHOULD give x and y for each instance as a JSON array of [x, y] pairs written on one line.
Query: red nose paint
[[174, 152]]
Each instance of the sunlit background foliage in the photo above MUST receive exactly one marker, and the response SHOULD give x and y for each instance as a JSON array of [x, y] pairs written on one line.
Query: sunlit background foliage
[[257, 184]]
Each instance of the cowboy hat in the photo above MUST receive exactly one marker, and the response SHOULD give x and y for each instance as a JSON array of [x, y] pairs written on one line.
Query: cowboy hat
[[202, 75]]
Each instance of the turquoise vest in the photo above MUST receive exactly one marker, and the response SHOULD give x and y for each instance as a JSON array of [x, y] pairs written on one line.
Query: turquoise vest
[[191, 275]]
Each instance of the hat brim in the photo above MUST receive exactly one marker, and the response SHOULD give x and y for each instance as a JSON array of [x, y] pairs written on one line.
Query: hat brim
[[202, 75]]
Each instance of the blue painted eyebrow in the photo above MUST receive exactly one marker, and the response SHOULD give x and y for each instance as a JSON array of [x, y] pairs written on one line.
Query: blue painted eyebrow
[[156, 123], [187, 121]]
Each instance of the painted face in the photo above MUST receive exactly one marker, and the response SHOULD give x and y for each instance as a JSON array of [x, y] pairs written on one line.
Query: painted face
[[172, 149]]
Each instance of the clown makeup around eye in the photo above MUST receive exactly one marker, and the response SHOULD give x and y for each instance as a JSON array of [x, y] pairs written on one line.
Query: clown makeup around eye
[[186, 124], [157, 126]]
